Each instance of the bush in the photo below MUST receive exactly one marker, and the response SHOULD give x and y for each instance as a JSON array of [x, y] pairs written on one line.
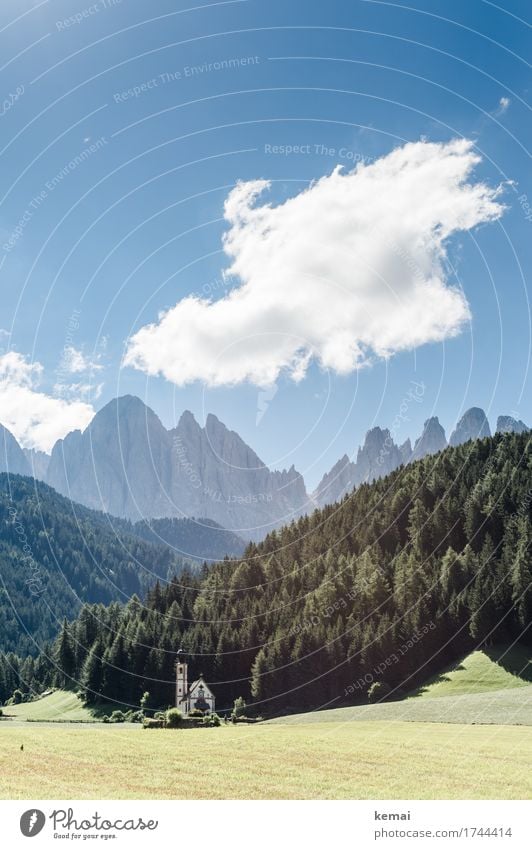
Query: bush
[[153, 723], [174, 718], [196, 712], [378, 691], [106, 719], [239, 708], [159, 714], [17, 697], [117, 716], [212, 721]]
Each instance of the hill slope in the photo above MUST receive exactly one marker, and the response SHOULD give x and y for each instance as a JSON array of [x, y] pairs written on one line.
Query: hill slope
[[500, 707], [59, 706], [201, 539], [55, 555], [482, 671]]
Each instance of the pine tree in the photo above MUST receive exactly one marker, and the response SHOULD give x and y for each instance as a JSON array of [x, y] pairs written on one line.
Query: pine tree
[[65, 658], [92, 674]]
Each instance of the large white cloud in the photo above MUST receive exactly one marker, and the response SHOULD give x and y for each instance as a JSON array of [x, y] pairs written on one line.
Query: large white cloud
[[35, 418], [352, 268]]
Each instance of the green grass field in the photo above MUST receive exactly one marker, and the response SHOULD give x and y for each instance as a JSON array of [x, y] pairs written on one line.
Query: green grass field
[[60, 706], [464, 735], [500, 707], [360, 760], [481, 672]]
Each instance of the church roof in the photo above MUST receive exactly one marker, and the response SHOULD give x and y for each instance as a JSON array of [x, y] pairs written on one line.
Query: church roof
[[200, 682]]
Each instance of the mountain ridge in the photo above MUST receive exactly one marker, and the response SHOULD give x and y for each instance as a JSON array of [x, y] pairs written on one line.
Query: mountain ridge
[[128, 464]]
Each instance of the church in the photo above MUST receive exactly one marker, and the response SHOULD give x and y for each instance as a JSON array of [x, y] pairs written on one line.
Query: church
[[197, 696]]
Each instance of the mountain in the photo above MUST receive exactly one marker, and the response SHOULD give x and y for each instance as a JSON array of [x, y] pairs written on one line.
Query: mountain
[[472, 425], [201, 539], [431, 440], [121, 464], [127, 464], [38, 462], [380, 455], [506, 424], [55, 555], [376, 458], [406, 450], [422, 566], [12, 457], [336, 483]]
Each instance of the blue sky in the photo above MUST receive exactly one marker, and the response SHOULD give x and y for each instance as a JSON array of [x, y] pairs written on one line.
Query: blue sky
[[162, 109]]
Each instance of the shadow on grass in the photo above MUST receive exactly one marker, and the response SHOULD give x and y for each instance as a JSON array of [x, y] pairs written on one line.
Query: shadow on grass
[[439, 678], [517, 660]]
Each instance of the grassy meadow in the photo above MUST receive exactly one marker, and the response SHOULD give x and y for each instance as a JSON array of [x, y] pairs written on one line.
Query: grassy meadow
[[467, 734], [328, 760]]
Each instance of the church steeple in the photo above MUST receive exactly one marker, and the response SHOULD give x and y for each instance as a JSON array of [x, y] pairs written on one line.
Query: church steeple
[[181, 678]]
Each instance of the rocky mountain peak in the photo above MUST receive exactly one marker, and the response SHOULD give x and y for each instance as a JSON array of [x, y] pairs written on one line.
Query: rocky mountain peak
[[507, 424], [378, 456], [406, 450], [431, 440], [12, 457], [472, 425]]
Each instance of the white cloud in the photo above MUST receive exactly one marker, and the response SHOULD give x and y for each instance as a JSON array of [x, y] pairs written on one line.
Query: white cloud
[[79, 390], [36, 419], [74, 361], [504, 103], [350, 269]]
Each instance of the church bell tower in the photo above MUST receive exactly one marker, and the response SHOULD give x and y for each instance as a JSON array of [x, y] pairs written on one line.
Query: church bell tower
[[181, 678]]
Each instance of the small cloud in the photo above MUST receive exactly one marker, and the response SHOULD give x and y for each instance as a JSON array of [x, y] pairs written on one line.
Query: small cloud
[[5, 336], [504, 103], [36, 419], [85, 391], [74, 361]]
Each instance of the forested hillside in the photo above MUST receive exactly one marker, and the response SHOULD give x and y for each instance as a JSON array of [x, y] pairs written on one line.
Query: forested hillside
[[54, 555], [393, 583], [200, 539]]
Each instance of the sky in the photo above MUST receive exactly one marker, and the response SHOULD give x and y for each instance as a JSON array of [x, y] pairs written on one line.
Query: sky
[[301, 217]]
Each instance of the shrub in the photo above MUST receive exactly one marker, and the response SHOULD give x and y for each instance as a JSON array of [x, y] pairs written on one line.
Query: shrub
[[378, 691], [174, 718], [17, 697], [196, 712], [239, 707], [159, 714], [117, 716], [153, 723], [106, 719]]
